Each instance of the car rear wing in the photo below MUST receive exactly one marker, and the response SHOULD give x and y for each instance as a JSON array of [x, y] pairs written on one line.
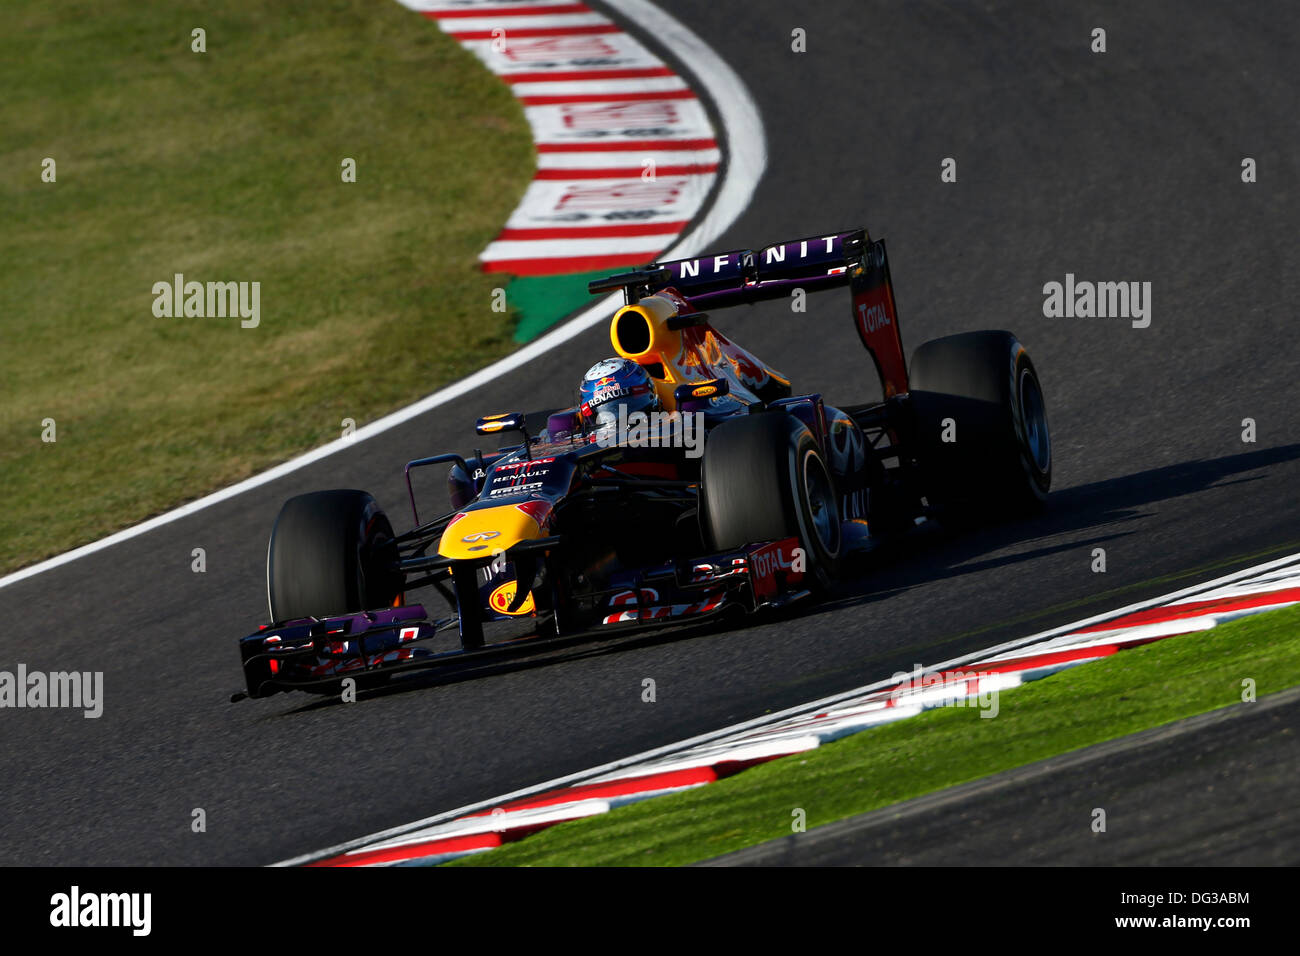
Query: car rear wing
[[811, 264], [743, 275]]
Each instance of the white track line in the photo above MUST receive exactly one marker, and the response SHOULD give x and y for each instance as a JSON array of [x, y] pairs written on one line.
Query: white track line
[[561, 248], [510, 24], [654, 84], [610, 769], [747, 158], [619, 160]]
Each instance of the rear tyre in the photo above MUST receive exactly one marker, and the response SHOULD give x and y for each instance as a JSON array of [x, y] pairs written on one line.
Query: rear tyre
[[983, 444], [331, 552], [764, 478]]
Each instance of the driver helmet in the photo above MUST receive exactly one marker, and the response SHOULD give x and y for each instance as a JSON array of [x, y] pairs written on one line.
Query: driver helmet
[[611, 385]]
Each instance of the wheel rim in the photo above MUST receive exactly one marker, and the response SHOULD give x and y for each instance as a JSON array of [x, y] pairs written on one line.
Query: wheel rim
[[822, 508], [1033, 413]]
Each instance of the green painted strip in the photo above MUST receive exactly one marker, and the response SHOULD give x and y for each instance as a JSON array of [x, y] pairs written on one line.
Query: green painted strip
[[542, 301]]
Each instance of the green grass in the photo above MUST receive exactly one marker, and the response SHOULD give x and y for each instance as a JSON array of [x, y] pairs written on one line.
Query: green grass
[[225, 165], [1131, 691]]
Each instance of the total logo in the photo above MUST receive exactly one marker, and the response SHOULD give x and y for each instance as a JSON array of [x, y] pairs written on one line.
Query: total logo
[[770, 566], [481, 536], [500, 600], [524, 464], [768, 562], [873, 317]]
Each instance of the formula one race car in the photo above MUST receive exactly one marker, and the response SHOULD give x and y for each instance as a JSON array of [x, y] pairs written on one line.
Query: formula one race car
[[722, 491]]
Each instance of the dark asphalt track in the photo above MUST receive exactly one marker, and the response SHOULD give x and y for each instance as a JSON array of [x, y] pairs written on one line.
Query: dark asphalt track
[[1122, 166], [1217, 789]]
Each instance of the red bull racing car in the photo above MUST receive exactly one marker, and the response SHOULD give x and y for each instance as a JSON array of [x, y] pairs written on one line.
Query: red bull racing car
[[690, 480]]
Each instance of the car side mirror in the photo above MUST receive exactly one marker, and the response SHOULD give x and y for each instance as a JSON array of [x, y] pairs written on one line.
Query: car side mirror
[[492, 424]]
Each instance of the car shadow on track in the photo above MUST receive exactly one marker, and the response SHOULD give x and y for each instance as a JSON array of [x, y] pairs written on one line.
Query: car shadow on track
[[563, 650], [929, 554], [936, 553]]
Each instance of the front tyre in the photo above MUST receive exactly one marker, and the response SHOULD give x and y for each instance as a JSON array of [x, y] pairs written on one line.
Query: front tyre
[[330, 553], [764, 478]]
